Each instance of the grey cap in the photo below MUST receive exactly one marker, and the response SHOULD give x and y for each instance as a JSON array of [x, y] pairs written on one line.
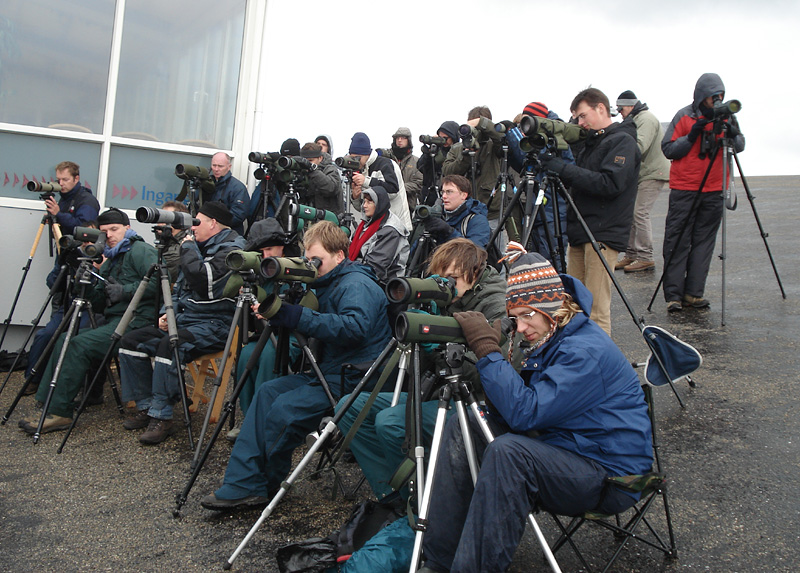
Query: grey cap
[[402, 132]]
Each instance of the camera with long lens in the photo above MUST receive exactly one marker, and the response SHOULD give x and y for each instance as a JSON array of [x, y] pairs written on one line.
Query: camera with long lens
[[47, 190], [95, 237], [190, 172], [422, 212], [408, 290], [272, 304], [291, 269], [541, 132], [432, 140], [722, 110], [176, 219], [421, 327]]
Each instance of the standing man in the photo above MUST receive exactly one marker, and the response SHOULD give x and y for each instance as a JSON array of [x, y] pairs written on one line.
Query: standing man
[[402, 152], [324, 182], [653, 177], [379, 171], [76, 206], [230, 191], [603, 185], [695, 214], [432, 159], [203, 315]]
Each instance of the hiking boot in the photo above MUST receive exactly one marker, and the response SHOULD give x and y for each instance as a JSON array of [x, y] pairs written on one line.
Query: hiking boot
[[157, 431], [639, 266], [622, 263], [137, 421], [212, 502], [52, 423], [695, 301], [31, 389], [674, 306]]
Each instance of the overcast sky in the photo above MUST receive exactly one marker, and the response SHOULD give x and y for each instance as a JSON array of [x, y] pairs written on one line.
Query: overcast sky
[[371, 66]]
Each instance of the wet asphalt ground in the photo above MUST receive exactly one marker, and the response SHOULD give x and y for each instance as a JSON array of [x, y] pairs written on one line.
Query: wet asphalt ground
[[731, 455]]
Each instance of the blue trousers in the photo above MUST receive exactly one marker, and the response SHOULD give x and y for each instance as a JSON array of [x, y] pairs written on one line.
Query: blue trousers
[[517, 474], [378, 444], [283, 412], [263, 372]]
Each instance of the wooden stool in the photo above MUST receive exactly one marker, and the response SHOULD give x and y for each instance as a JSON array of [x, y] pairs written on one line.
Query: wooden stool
[[207, 367]]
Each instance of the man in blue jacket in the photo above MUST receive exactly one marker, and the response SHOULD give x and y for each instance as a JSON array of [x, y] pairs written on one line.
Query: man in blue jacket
[[462, 216], [573, 416], [230, 191], [76, 206], [352, 327], [203, 316]]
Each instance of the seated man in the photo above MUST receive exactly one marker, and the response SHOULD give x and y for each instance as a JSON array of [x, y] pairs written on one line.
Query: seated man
[[463, 216], [574, 416], [127, 258], [203, 316], [381, 239], [352, 328], [378, 444]]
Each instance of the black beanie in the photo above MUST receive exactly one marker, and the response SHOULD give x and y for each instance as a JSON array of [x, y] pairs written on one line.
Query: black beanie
[[112, 216], [217, 210], [290, 147], [450, 128], [626, 98]]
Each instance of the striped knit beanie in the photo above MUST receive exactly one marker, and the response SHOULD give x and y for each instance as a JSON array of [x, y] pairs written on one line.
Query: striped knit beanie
[[536, 108], [532, 282]]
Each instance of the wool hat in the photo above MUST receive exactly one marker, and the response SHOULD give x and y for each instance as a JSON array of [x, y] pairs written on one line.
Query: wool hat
[[113, 216], [402, 132], [217, 210], [627, 98], [536, 109], [533, 283], [450, 128], [290, 147], [266, 233], [360, 144]]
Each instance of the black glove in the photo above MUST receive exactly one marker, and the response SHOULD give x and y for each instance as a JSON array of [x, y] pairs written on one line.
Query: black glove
[[552, 163], [697, 129], [482, 337], [437, 227], [288, 316], [115, 292], [733, 129]]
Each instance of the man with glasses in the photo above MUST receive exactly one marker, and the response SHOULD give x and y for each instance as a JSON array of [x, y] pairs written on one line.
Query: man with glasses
[[603, 184], [462, 216], [573, 416]]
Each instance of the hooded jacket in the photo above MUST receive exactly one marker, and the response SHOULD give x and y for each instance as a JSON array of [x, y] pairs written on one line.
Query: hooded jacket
[[351, 322], [604, 184], [198, 293], [578, 391], [386, 173], [688, 168], [324, 187], [386, 251], [76, 208], [649, 134]]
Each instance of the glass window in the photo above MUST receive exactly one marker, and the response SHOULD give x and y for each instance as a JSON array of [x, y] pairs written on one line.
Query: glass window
[[33, 158], [146, 177], [54, 59], [179, 71]]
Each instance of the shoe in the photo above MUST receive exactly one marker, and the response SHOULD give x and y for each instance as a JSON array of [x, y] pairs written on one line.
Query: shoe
[[622, 263], [157, 431], [212, 502], [639, 266], [674, 306], [31, 390], [137, 421], [52, 423], [695, 301], [233, 434]]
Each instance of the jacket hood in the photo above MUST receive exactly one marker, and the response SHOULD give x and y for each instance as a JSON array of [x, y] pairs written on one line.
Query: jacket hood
[[328, 139], [451, 129], [579, 293], [707, 85], [265, 233], [381, 199]]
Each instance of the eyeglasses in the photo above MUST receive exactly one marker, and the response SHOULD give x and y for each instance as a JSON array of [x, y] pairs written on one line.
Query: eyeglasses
[[526, 318], [450, 192]]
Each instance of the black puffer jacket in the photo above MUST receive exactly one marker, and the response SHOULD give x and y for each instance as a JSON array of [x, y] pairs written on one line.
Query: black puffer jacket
[[603, 184]]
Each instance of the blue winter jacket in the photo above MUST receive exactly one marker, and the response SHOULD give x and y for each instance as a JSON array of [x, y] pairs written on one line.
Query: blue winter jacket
[[233, 194], [477, 228], [578, 391], [351, 321], [76, 208]]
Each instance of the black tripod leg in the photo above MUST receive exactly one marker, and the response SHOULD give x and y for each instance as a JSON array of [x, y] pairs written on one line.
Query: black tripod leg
[[303, 341]]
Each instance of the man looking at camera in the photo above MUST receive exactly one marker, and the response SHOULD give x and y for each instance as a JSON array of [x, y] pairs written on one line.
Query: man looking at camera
[[230, 191], [77, 205], [351, 326], [462, 216], [203, 317]]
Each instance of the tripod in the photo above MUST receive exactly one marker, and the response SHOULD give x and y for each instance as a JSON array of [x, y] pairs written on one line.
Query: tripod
[[431, 192], [724, 144], [461, 393], [55, 232]]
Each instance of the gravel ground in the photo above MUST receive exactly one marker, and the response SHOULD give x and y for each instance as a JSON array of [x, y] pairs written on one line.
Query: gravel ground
[[105, 503]]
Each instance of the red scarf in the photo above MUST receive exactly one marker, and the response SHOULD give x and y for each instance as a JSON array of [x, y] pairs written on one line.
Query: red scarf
[[363, 233]]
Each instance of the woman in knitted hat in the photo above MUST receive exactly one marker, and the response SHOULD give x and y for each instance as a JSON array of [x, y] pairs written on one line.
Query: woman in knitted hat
[[573, 416]]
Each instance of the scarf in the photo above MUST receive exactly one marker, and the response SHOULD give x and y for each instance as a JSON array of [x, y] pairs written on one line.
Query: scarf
[[122, 247], [363, 233]]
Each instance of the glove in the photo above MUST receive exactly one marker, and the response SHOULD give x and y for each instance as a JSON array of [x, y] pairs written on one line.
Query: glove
[[552, 163], [733, 129], [115, 292], [482, 337], [288, 316], [437, 227], [697, 129]]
